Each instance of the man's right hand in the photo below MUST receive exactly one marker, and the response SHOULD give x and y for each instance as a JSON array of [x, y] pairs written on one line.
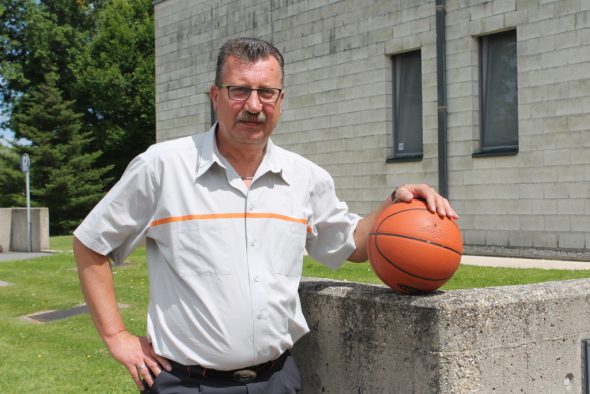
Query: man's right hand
[[138, 356]]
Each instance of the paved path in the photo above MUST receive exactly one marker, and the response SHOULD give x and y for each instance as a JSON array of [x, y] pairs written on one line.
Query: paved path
[[11, 256], [515, 262]]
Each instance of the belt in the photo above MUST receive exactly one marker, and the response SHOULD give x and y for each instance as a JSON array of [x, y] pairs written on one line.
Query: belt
[[239, 375]]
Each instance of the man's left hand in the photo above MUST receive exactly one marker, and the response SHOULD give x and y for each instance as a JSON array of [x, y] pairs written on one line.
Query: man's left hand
[[435, 202]]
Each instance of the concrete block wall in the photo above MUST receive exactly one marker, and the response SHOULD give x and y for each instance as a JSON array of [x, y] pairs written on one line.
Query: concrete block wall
[[514, 339], [539, 198], [338, 107], [338, 101]]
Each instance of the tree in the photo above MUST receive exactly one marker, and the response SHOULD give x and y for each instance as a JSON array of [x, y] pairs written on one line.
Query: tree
[[102, 54], [116, 80], [64, 177], [42, 37]]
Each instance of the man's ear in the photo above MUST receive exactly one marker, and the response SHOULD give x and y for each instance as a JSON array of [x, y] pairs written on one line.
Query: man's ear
[[280, 101], [214, 94]]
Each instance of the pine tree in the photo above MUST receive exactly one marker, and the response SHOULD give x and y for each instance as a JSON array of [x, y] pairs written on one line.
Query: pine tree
[[116, 81], [63, 176]]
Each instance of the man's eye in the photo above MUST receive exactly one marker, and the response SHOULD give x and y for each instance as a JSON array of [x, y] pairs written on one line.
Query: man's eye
[[268, 93], [241, 91]]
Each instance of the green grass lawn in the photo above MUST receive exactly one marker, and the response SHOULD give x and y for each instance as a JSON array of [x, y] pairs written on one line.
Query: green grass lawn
[[67, 356], [466, 277], [64, 356]]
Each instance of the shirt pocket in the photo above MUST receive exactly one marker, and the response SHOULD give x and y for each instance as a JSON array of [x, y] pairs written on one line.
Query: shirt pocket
[[289, 246], [202, 249]]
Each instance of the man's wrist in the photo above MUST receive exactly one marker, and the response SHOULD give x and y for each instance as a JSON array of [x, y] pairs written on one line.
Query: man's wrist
[[111, 338]]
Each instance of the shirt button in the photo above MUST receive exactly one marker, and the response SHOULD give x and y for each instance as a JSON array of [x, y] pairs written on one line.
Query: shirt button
[[256, 279], [260, 316], [253, 243]]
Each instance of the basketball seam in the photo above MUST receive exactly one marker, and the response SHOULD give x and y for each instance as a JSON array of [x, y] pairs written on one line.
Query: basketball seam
[[420, 240], [376, 270], [403, 270]]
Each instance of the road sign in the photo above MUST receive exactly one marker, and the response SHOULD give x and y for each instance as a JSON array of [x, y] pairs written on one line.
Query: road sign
[[25, 166], [25, 163]]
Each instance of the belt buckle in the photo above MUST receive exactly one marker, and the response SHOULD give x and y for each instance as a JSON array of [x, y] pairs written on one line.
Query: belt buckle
[[244, 375]]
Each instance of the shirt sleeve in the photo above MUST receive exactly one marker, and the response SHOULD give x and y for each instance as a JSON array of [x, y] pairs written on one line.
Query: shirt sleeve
[[331, 240], [119, 221]]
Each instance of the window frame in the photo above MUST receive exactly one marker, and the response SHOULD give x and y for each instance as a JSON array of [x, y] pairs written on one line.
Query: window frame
[[399, 83], [487, 147]]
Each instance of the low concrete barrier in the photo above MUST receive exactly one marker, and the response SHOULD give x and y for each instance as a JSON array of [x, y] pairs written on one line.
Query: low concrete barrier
[[367, 339], [5, 228], [39, 230]]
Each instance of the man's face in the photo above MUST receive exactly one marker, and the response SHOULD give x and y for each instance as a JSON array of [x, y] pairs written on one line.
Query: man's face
[[247, 124]]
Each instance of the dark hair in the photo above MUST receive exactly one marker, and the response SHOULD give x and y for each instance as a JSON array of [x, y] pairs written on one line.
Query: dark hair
[[248, 49]]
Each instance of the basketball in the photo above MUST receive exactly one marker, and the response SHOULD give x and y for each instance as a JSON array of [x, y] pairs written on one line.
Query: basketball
[[413, 250]]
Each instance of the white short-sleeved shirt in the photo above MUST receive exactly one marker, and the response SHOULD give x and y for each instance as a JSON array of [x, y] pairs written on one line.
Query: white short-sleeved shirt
[[224, 261]]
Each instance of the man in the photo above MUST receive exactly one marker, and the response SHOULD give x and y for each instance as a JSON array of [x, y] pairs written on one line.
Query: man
[[227, 216]]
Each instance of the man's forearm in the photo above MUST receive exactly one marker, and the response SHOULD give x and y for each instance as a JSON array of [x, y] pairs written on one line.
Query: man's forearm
[[361, 233], [96, 280]]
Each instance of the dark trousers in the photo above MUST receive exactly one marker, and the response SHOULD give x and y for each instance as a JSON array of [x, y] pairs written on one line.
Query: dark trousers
[[282, 378]]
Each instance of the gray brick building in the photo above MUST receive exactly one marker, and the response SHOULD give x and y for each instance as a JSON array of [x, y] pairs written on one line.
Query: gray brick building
[[363, 100]]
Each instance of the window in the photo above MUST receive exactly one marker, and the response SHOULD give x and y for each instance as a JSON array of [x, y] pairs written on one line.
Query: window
[[498, 94], [407, 106]]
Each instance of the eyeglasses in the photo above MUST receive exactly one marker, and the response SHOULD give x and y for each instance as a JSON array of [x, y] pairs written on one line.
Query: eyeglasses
[[241, 93]]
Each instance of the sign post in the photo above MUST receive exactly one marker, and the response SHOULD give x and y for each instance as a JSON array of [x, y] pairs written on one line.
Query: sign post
[[25, 165]]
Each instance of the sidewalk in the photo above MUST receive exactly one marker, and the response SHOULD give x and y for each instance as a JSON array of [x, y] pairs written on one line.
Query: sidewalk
[[11, 256], [515, 262]]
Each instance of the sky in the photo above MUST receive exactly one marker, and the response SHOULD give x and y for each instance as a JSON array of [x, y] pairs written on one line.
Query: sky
[[4, 133], [7, 134]]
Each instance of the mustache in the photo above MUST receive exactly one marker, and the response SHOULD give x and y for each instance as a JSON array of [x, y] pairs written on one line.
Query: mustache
[[245, 116]]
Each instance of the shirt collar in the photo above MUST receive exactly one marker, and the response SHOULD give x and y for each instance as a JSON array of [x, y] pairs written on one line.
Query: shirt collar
[[209, 154], [272, 162]]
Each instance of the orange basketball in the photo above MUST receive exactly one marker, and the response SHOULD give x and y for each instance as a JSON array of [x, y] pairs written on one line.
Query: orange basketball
[[412, 250]]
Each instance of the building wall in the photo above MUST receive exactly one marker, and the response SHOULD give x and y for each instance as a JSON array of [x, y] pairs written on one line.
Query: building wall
[[338, 101]]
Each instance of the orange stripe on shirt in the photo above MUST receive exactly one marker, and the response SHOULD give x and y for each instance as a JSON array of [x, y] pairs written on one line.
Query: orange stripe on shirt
[[212, 216]]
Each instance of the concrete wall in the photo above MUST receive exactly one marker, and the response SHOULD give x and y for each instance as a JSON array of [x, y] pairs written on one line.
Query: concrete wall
[[338, 103], [5, 228], [515, 339], [39, 230]]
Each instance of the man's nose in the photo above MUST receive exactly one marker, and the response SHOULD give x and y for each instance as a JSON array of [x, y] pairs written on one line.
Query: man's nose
[[253, 103]]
